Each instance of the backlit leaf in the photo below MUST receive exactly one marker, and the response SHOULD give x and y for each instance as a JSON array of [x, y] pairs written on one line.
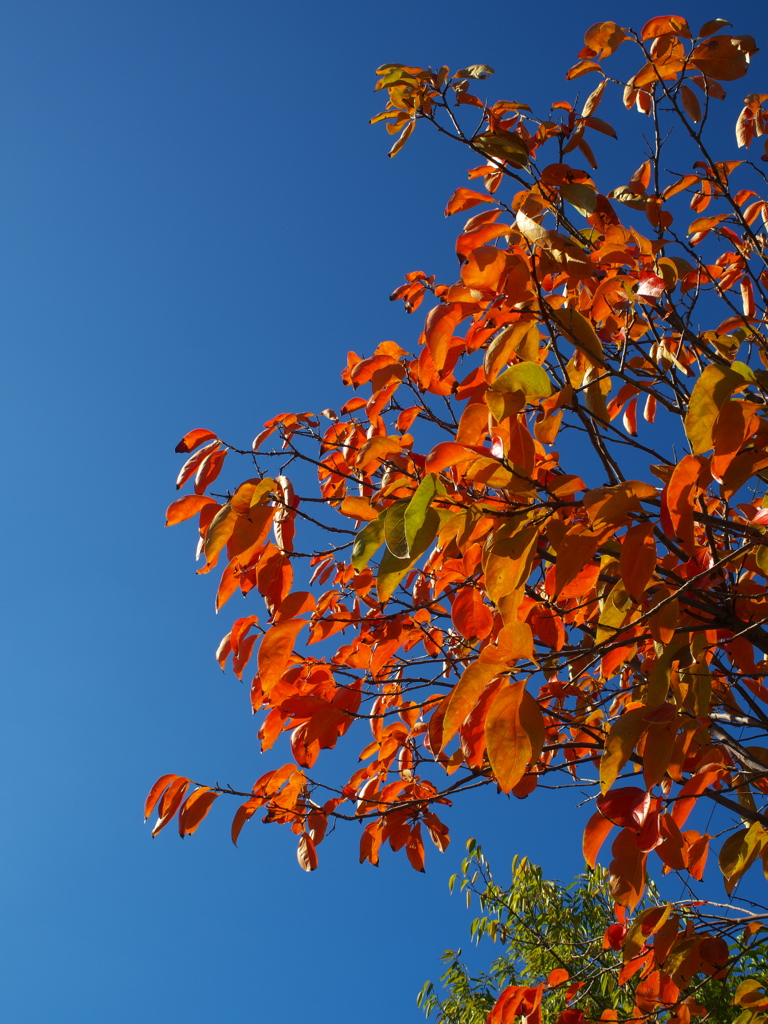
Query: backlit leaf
[[276, 649], [530, 378], [186, 507], [218, 533], [156, 792], [723, 57], [514, 734], [193, 439], [466, 694], [481, 71], [670, 24], [503, 145], [417, 509], [194, 809], [470, 615], [367, 542], [306, 853], [619, 745], [715, 385], [578, 330]]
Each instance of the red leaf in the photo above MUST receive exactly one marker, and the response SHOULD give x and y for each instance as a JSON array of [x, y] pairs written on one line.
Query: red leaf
[[651, 285], [595, 834], [625, 807], [471, 616]]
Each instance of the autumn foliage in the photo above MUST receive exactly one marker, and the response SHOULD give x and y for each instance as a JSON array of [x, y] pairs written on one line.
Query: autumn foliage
[[535, 547]]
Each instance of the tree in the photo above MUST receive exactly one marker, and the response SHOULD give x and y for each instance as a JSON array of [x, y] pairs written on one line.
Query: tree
[[535, 553], [564, 939]]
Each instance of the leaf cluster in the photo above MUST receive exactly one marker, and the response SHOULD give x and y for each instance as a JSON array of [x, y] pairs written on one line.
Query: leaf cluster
[[531, 552]]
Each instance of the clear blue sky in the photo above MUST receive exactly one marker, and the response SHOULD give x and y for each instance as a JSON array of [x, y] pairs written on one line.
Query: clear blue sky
[[197, 223]]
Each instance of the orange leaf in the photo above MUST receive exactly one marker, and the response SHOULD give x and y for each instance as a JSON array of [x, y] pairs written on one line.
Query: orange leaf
[[620, 742], [691, 103], [193, 463], [514, 731], [627, 869], [557, 977], [626, 807], [414, 848], [209, 469], [170, 803], [228, 584], [194, 809], [194, 438], [186, 507], [448, 453], [723, 58], [484, 269], [218, 533], [691, 791], [466, 694], [677, 501], [464, 199], [155, 793], [595, 834], [638, 560], [244, 813], [470, 615], [603, 39], [438, 330], [667, 25], [276, 650]]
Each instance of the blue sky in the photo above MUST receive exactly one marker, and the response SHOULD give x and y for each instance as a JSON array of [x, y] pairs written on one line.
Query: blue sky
[[197, 224]]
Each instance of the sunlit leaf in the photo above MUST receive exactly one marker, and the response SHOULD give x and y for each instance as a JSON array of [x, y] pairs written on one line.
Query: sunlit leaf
[[530, 378]]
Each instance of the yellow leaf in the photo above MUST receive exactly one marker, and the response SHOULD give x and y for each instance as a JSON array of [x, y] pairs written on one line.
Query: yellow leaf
[[507, 562], [578, 330], [503, 145], [715, 385], [620, 743], [218, 533], [530, 378]]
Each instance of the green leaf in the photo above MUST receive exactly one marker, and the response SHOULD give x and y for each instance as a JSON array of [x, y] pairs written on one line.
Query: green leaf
[[530, 378], [713, 388], [581, 197], [418, 506], [503, 145], [394, 529], [578, 330], [368, 541], [392, 569]]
